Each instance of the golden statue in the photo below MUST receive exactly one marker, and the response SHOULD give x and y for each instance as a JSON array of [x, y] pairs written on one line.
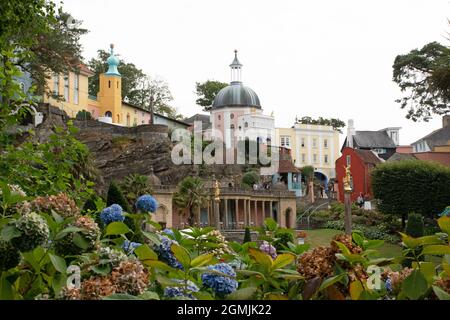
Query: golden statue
[[217, 191], [347, 179]]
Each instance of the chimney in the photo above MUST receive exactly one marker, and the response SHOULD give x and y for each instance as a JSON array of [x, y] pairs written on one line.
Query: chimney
[[350, 133], [446, 120]]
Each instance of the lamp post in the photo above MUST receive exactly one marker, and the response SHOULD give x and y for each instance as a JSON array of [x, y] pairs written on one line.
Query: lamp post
[[347, 200]]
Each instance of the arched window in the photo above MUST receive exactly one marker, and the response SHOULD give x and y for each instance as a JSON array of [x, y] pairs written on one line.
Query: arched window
[[108, 114], [232, 116], [232, 127], [246, 125], [219, 117], [109, 83]]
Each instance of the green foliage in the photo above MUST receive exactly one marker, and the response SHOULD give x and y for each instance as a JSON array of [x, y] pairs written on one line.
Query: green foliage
[[115, 196], [247, 235], [83, 115], [60, 165], [414, 225], [134, 186], [206, 92], [283, 237], [335, 123], [250, 178], [192, 195], [370, 232], [411, 186], [424, 77], [308, 172]]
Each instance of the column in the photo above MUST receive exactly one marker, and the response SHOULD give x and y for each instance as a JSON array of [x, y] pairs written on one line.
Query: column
[[225, 217], [256, 213], [236, 213], [270, 209]]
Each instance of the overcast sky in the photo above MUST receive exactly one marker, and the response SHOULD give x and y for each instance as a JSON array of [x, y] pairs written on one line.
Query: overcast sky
[[303, 58]]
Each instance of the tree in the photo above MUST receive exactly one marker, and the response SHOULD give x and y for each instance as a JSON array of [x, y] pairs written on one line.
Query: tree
[[424, 76], [335, 123], [308, 173], [250, 178], [134, 186], [409, 186], [192, 195], [115, 196], [247, 235], [207, 91]]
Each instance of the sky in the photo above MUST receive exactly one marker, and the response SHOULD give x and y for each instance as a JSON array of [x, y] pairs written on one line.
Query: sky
[[303, 58]]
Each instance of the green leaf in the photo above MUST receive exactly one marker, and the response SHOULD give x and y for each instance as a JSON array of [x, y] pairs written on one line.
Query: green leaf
[[356, 288], [149, 295], [343, 247], [144, 252], [359, 240], [116, 228], [242, 294], [415, 285], [441, 294], [261, 257], [332, 280], [159, 265], [152, 237], [121, 296], [58, 262], [282, 260], [202, 260], [372, 244], [80, 241], [436, 250], [182, 255], [10, 232], [444, 224], [59, 280], [6, 289], [67, 230]]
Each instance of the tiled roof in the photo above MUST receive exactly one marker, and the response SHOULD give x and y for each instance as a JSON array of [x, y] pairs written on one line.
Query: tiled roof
[[372, 139], [368, 156], [437, 138]]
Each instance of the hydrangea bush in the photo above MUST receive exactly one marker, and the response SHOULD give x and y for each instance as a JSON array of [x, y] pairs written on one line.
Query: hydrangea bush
[[146, 203], [113, 213]]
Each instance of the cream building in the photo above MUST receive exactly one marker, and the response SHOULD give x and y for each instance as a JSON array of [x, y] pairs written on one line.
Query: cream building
[[314, 145]]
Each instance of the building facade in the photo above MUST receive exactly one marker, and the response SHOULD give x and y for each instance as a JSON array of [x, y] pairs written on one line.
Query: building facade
[[312, 145]]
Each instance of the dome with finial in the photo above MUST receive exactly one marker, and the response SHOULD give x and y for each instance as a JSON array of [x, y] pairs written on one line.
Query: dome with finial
[[112, 62], [236, 94]]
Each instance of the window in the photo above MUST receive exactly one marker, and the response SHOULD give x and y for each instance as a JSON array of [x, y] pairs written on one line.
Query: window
[[315, 158], [303, 142], [348, 160], [246, 125], [303, 158], [325, 143], [109, 84], [285, 141], [117, 84], [128, 119], [219, 117], [56, 84], [232, 116], [379, 150], [76, 88], [232, 127], [325, 158], [66, 87], [314, 143], [240, 128]]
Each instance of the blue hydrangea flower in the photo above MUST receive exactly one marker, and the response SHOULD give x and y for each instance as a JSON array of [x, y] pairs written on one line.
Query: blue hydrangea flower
[[221, 284], [388, 284], [129, 246], [165, 253], [169, 232], [146, 203], [112, 213], [183, 291]]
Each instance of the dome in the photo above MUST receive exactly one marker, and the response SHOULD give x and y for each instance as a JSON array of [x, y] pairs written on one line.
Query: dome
[[112, 62], [236, 95]]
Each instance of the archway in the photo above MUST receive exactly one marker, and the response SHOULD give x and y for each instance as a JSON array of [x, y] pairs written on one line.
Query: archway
[[108, 114], [161, 215], [320, 183]]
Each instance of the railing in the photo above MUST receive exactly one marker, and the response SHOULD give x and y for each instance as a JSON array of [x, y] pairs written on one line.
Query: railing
[[236, 191], [309, 212]]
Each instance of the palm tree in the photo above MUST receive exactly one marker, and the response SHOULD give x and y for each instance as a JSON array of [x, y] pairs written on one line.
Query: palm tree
[[308, 173], [192, 195]]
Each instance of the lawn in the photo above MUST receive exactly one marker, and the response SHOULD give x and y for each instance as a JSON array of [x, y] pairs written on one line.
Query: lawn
[[322, 237]]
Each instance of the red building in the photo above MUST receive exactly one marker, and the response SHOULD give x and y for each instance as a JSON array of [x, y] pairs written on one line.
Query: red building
[[361, 163]]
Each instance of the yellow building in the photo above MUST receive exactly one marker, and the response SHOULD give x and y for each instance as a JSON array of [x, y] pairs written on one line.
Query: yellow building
[[311, 145], [107, 106]]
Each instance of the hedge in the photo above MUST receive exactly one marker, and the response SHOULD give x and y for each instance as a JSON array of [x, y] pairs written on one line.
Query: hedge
[[409, 186]]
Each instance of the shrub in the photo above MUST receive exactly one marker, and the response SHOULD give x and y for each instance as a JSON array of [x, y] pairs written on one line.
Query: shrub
[[83, 115], [283, 237], [34, 232], [411, 186], [115, 196], [250, 178], [247, 235], [415, 225]]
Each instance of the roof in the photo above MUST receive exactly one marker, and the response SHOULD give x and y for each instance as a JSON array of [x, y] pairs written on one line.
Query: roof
[[84, 69], [436, 138], [236, 95], [373, 139], [368, 156], [156, 114], [285, 164], [204, 118], [401, 156]]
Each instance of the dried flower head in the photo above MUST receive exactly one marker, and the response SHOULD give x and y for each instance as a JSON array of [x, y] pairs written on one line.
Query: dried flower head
[[95, 288], [130, 277], [61, 203]]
